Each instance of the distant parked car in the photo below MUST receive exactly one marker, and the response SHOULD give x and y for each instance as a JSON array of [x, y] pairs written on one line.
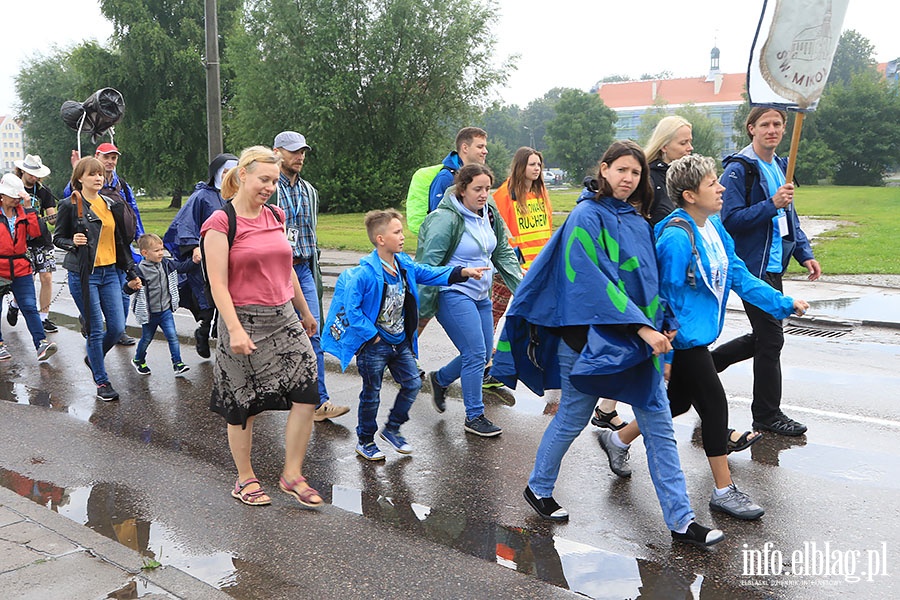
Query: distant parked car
[[549, 177]]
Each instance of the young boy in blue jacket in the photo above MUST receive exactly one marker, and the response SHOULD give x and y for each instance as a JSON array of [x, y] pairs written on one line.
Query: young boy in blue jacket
[[374, 315]]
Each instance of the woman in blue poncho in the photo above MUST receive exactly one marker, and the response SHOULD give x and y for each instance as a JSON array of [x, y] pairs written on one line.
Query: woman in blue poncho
[[588, 319]]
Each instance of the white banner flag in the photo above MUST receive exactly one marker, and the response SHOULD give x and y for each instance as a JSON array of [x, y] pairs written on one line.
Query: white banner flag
[[792, 52]]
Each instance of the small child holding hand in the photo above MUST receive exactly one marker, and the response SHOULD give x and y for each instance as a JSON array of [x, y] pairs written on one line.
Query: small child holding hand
[[156, 301]]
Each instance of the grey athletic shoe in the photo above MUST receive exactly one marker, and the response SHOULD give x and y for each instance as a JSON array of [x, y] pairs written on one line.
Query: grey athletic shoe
[[736, 503], [618, 457]]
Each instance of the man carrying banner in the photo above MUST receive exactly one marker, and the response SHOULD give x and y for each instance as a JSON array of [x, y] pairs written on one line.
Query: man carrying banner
[[758, 212]]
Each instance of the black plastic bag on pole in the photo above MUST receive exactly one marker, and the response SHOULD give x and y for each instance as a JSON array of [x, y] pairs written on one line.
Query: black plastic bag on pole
[[97, 115]]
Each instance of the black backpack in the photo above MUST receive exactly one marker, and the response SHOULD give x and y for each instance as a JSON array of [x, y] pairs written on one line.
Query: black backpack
[[228, 209]]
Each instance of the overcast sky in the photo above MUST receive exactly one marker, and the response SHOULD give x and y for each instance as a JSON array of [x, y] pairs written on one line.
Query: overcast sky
[[570, 43]]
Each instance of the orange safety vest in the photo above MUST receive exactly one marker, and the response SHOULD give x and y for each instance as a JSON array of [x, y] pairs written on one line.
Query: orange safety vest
[[529, 231]]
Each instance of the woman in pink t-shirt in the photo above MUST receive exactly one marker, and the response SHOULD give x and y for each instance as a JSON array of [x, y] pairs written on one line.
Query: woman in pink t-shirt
[[264, 359]]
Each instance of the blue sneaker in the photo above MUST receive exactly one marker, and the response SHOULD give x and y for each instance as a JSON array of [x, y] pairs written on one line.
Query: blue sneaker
[[369, 451], [397, 441]]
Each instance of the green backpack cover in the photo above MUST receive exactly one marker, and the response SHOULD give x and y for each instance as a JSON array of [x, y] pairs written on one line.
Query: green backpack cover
[[417, 197]]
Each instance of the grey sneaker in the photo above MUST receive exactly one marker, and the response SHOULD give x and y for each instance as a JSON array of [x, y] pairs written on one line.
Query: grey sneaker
[[618, 457], [482, 426], [45, 350], [4, 352], [736, 503]]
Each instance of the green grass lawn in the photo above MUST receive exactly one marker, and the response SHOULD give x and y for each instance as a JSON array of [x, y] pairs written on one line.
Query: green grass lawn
[[866, 245]]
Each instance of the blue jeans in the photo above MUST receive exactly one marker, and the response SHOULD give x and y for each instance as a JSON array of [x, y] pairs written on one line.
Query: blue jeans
[[126, 299], [575, 409], [371, 362], [308, 287], [470, 325], [105, 304], [23, 291], [163, 320]]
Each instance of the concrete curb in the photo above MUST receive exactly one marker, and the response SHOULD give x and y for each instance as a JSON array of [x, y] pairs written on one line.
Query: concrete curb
[[47, 571]]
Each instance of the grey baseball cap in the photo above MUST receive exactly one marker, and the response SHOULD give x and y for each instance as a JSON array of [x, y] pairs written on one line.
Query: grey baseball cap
[[290, 141]]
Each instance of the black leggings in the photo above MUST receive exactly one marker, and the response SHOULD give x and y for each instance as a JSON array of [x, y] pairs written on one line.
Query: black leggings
[[694, 382]]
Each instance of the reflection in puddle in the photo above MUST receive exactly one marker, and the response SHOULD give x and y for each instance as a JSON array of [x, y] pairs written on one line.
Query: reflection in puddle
[[581, 568], [23, 394], [871, 307], [115, 512]]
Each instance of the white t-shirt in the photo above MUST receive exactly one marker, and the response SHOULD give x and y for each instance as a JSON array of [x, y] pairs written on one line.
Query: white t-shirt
[[714, 250]]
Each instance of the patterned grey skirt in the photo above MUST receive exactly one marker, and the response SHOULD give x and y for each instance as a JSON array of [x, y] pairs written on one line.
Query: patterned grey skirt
[[280, 372]]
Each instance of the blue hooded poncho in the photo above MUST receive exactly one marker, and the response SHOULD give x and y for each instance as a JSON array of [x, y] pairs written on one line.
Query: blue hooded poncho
[[599, 269]]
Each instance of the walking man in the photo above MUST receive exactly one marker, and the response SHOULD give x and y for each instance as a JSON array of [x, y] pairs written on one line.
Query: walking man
[[300, 202], [31, 170], [758, 212]]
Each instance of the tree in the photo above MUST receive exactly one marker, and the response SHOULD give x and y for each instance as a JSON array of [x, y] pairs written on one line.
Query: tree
[[860, 122], [581, 131], [157, 64], [537, 114], [853, 55], [42, 85], [379, 88]]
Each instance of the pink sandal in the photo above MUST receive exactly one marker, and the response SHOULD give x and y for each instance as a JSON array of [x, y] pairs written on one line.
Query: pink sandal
[[304, 497], [253, 498]]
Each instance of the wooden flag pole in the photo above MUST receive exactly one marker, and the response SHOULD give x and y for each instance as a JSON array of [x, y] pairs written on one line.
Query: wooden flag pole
[[795, 144]]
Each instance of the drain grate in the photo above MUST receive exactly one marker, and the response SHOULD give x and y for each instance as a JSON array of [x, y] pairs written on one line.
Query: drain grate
[[812, 332]]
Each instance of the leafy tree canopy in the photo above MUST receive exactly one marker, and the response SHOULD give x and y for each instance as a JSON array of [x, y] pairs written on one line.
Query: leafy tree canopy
[[581, 131]]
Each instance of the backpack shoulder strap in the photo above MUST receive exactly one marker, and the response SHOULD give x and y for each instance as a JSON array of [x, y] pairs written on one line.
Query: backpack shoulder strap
[[228, 209], [695, 254], [273, 211]]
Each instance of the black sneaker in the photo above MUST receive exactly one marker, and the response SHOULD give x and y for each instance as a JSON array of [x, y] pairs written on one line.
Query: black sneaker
[[698, 535], [781, 424], [50, 326], [106, 392], [202, 342], [180, 368], [12, 315], [546, 507], [482, 426], [140, 366], [437, 393], [489, 381], [126, 340]]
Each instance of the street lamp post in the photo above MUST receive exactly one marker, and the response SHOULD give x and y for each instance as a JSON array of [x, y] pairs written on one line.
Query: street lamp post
[[530, 135]]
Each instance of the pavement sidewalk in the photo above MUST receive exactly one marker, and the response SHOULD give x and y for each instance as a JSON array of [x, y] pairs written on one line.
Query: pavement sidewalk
[[44, 555]]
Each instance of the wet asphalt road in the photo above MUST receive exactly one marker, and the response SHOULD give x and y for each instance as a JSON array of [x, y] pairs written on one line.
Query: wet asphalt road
[[153, 470]]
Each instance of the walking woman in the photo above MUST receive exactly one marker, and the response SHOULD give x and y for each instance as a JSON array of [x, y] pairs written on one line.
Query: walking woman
[[18, 222], [264, 359], [588, 319], [524, 203], [465, 230], [90, 228], [671, 139]]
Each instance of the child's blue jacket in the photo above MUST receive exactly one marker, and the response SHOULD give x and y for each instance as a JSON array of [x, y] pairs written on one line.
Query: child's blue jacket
[[357, 301]]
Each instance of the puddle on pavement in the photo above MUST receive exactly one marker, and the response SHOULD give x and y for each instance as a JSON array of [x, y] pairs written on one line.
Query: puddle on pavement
[[872, 307], [581, 568], [24, 394], [114, 511]]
